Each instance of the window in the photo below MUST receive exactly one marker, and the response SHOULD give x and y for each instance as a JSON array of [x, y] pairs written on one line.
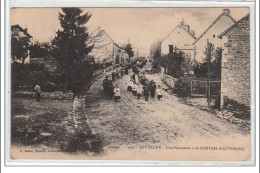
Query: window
[[170, 48], [119, 51], [214, 36]]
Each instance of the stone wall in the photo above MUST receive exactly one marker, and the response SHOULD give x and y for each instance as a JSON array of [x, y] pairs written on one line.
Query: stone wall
[[236, 80], [57, 95], [169, 80], [236, 63]]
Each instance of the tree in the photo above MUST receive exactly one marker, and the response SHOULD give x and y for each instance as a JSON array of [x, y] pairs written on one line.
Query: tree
[[39, 50], [216, 62], [71, 47], [19, 47], [129, 50], [215, 65], [155, 53]]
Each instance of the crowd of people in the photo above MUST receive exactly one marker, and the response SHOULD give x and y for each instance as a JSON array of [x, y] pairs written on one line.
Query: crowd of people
[[109, 88], [138, 84], [144, 90]]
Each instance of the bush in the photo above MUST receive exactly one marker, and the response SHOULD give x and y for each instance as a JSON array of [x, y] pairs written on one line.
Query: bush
[[22, 77], [240, 110], [49, 87], [182, 88]]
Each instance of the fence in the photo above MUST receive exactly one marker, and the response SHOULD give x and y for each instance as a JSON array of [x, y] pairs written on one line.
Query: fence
[[199, 88]]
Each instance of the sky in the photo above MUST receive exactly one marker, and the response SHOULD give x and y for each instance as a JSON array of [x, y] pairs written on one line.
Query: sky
[[139, 26]]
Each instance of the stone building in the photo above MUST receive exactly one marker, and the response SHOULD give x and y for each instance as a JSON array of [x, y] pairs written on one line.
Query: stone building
[[235, 75], [181, 38], [222, 22]]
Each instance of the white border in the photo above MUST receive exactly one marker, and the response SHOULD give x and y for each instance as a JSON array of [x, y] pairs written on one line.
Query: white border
[[110, 3]]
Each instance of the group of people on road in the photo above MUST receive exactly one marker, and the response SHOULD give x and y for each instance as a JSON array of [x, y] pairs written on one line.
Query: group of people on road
[[144, 90], [138, 85], [109, 88]]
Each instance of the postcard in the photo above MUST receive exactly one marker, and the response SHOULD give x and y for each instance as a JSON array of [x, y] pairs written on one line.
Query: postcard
[[131, 84]]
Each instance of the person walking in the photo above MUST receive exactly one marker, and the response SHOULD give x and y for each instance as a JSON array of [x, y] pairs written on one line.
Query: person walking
[[134, 89], [105, 84], [38, 92], [130, 85], [110, 89], [122, 70], [146, 92], [117, 94], [139, 91], [152, 88], [113, 75], [126, 69], [159, 92]]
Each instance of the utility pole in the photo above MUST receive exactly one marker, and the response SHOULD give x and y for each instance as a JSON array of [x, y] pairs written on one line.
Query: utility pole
[[221, 85], [209, 50], [113, 55]]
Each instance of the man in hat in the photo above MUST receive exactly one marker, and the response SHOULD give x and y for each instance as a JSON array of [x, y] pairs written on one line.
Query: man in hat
[[105, 84], [146, 92], [152, 88]]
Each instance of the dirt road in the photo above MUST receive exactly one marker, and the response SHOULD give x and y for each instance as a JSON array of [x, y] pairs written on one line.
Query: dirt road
[[132, 122]]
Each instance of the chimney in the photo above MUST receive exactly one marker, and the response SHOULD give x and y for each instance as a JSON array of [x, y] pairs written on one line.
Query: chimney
[[226, 10], [187, 27], [25, 29], [192, 32], [182, 22]]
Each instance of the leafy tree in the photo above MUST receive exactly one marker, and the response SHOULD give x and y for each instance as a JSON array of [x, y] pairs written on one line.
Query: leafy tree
[[216, 62], [155, 54], [129, 50], [215, 65], [39, 50], [19, 47], [71, 47], [156, 57], [174, 63]]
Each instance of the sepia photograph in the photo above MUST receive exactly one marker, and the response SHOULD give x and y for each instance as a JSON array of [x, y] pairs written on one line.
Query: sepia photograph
[[138, 84]]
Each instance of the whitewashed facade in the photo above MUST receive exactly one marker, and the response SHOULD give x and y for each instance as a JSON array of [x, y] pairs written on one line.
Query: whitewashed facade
[[223, 21], [182, 38], [107, 50]]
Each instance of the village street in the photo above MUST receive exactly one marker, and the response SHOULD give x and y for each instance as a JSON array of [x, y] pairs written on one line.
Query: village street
[[132, 123]]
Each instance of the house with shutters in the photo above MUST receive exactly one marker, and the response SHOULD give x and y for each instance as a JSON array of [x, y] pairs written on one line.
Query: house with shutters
[[235, 69], [181, 38], [222, 22]]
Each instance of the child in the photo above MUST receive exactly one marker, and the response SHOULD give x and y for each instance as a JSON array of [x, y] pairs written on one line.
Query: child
[[159, 92], [134, 89], [117, 94], [38, 92], [130, 85], [139, 91]]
